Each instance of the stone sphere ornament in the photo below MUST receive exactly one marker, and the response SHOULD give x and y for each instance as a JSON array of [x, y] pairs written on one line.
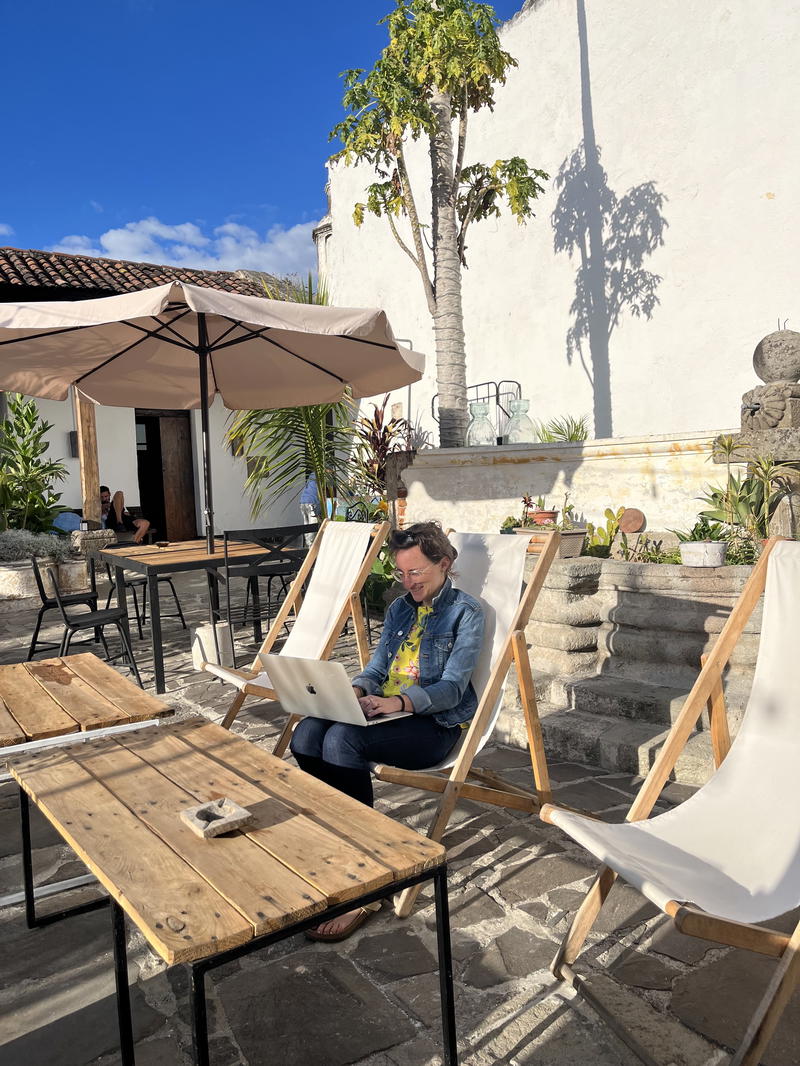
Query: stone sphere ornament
[[777, 356]]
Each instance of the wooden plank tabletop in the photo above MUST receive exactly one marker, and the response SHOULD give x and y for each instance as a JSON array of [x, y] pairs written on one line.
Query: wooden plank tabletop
[[55, 697], [182, 554], [116, 801]]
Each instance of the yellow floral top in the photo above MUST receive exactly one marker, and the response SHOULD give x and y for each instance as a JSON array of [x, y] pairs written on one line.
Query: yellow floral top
[[404, 671]]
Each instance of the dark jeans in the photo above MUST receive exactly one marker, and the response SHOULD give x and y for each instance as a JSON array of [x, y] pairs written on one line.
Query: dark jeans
[[341, 754]]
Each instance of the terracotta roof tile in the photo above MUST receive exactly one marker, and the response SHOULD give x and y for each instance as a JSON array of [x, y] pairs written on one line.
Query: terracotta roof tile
[[50, 270]]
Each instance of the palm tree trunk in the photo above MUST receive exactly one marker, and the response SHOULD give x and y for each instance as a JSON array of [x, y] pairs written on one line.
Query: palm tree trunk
[[448, 319]]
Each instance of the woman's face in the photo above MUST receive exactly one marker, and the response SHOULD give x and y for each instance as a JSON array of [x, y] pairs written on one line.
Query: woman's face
[[421, 577]]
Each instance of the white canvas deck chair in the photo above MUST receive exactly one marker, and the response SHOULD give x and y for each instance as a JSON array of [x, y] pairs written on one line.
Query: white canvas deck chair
[[335, 569], [491, 568], [729, 856]]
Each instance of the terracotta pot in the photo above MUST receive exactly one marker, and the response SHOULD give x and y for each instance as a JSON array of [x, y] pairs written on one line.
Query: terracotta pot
[[541, 518]]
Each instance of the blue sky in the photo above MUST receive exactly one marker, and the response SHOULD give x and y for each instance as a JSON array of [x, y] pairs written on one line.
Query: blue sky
[[176, 131]]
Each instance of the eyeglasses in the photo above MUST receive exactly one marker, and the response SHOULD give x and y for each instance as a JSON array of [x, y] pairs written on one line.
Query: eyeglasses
[[410, 575]]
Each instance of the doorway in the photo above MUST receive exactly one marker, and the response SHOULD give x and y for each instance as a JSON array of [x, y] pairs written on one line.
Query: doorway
[[166, 472]]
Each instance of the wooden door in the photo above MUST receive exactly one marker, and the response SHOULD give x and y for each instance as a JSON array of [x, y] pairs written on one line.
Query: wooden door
[[178, 472]]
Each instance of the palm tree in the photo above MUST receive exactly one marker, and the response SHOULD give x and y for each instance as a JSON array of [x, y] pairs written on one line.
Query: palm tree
[[284, 445]]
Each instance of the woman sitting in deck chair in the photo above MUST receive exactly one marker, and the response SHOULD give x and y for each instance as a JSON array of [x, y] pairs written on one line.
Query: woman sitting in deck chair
[[431, 640]]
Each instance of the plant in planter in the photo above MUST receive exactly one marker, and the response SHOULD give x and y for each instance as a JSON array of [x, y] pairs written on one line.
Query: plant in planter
[[536, 512], [748, 503], [534, 518], [17, 582], [18, 545], [601, 538], [704, 544], [27, 479]]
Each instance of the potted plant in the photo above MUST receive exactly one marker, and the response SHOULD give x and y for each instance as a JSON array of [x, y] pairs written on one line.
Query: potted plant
[[704, 544], [537, 511], [535, 517], [17, 581]]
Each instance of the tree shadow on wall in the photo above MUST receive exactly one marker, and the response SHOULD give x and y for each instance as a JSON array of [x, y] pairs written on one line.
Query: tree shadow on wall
[[612, 236]]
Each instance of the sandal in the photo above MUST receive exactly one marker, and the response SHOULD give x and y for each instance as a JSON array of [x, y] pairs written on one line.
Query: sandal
[[358, 919]]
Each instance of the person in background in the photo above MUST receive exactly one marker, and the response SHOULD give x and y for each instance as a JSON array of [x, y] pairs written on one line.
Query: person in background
[[310, 507], [430, 644], [115, 517]]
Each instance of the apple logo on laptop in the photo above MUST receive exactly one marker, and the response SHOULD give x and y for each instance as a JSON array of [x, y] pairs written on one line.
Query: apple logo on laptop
[[311, 690]]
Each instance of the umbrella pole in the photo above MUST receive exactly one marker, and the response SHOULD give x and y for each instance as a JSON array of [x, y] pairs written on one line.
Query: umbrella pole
[[208, 510]]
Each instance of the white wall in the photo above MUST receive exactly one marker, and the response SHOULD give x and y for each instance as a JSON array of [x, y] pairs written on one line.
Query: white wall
[[694, 110], [116, 447]]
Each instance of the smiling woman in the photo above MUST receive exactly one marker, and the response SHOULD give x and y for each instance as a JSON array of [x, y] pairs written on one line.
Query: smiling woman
[[431, 640]]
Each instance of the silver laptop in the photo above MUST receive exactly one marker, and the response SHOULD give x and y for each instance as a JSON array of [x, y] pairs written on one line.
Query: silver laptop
[[318, 689]]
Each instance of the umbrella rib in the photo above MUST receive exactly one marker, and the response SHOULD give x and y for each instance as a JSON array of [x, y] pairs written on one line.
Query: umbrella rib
[[140, 340], [262, 333], [49, 333]]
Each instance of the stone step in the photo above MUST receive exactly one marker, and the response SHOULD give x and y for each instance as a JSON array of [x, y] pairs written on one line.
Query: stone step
[[619, 744], [612, 696]]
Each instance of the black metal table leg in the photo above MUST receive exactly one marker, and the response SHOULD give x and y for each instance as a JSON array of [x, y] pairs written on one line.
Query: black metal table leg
[[123, 988], [197, 996], [445, 968], [155, 630], [31, 919], [27, 860]]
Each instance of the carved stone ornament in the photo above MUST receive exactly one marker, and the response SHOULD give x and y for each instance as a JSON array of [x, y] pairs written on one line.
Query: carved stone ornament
[[765, 407]]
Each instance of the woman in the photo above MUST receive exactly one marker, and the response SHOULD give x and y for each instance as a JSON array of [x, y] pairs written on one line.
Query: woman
[[428, 649]]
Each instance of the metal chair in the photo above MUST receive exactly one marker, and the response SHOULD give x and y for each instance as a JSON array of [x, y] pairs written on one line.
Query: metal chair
[[96, 620], [50, 603], [285, 550], [140, 583]]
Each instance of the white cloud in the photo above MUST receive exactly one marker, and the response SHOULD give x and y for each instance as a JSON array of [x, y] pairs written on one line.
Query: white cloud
[[231, 246], [95, 206], [6, 230]]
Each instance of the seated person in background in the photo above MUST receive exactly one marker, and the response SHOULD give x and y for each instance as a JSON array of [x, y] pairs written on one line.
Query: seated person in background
[[114, 515], [430, 643]]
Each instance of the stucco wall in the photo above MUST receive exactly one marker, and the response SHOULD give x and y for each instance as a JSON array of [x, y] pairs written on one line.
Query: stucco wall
[[657, 122], [116, 447], [476, 488]]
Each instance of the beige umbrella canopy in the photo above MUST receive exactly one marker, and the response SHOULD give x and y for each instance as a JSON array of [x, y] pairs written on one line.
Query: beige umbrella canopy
[[176, 346]]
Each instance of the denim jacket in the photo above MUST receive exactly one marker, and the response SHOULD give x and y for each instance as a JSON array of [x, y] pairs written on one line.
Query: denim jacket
[[449, 649]]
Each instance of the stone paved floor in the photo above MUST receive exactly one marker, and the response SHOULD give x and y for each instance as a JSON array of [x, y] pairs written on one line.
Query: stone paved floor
[[373, 1000]]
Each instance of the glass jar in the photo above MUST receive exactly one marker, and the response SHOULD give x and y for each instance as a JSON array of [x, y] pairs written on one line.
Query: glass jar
[[480, 431], [520, 429]]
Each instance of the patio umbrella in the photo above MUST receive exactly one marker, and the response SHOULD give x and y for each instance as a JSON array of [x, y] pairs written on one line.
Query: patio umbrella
[[176, 346]]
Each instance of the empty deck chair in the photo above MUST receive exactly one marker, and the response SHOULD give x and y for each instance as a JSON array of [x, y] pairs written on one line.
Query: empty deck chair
[[334, 572], [491, 568], [729, 856]]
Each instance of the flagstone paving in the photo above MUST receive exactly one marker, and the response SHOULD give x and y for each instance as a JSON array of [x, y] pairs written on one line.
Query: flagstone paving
[[373, 1000]]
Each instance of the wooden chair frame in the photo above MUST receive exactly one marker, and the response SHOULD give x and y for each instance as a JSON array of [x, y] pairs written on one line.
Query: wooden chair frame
[[292, 605], [462, 780], [706, 692]]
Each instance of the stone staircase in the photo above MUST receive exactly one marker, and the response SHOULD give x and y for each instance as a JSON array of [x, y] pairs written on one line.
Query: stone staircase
[[615, 649]]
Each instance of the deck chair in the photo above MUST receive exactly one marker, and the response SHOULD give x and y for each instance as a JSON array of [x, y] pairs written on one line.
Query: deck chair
[[333, 573], [491, 568], [729, 856]]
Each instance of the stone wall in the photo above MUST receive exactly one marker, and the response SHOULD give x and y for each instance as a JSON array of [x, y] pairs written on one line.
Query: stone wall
[[476, 488], [616, 647]]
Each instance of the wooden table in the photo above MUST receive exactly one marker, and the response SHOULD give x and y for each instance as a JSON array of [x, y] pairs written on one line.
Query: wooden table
[[310, 853], [178, 558], [44, 702], [55, 697]]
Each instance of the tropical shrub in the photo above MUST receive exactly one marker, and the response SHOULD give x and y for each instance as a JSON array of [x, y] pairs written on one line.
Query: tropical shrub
[[27, 479]]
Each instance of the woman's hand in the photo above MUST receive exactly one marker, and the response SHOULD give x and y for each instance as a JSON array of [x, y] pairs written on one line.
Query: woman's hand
[[372, 706]]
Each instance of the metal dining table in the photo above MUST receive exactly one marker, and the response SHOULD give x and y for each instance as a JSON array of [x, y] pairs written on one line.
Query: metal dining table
[[179, 558]]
